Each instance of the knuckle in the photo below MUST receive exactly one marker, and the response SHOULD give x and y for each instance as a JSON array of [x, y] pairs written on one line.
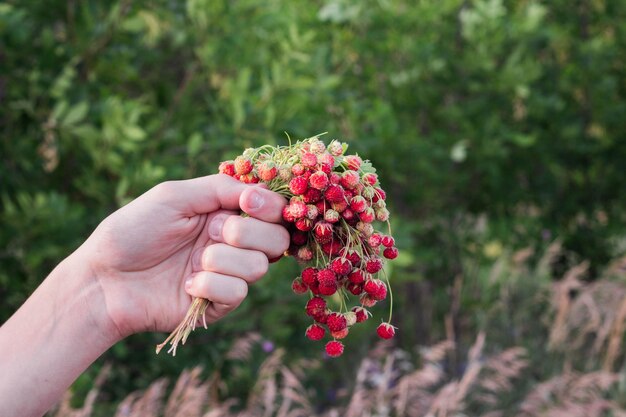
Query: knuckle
[[164, 189]]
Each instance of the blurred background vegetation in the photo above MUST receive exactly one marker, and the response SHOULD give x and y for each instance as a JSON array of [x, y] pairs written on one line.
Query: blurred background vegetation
[[497, 127]]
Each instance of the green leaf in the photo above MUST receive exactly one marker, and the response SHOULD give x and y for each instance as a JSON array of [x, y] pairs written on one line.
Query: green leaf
[[134, 133], [194, 144], [75, 114]]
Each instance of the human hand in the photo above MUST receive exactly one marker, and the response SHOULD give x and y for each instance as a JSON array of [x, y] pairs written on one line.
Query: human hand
[[183, 239]]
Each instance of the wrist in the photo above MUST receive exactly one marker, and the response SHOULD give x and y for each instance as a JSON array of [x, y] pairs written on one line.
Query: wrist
[[54, 336], [81, 282]]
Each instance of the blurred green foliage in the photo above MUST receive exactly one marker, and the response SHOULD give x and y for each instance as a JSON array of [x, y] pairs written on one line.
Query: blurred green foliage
[[493, 123]]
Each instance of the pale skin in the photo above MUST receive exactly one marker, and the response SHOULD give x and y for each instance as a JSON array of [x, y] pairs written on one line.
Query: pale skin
[[138, 272]]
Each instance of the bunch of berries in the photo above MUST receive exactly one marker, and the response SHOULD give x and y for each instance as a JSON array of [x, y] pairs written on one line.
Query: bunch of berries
[[334, 201]]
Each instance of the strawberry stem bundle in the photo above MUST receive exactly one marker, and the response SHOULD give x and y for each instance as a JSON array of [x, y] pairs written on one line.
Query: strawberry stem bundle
[[334, 201]]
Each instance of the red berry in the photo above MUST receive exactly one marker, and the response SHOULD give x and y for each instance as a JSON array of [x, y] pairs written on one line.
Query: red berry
[[375, 240], [361, 314], [334, 193], [388, 241], [371, 286], [336, 322], [304, 224], [353, 162], [298, 185], [370, 178], [326, 277], [315, 332], [309, 275], [242, 165], [299, 238], [391, 253], [297, 169], [276, 259], [334, 348], [379, 194], [227, 167], [315, 288], [358, 204], [341, 266], [348, 214], [308, 159], [354, 288], [381, 292], [249, 178], [373, 265], [316, 306], [312, 196], [340, 334], [357, 276], [267, 171], [323, 231], [368, 215], [288, 215], [385, 331], [367, 300], [349, 179], [322, 317], [298, 286], [327, 289], [339, 206], [332, 248], [353, 256], [297, 208], [318, 180]]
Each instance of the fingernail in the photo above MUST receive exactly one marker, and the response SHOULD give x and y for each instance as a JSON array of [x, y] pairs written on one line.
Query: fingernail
[[215, 228], [188, 283], [256, 200]]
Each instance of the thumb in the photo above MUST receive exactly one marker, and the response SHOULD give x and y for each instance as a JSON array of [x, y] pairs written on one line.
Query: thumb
[[262, 204], [213, 192]]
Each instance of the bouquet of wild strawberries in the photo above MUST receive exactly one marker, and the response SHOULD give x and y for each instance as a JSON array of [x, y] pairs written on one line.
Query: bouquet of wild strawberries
[[334, 200]]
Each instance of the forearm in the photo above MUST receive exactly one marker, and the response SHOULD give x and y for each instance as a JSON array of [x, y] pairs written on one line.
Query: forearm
[[60, 330]]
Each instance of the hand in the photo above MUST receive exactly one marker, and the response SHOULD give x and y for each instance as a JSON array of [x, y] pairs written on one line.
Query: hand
[[184, 239]]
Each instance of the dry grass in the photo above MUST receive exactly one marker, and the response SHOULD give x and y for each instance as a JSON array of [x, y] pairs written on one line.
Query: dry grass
[[588, 323], [590, 319]]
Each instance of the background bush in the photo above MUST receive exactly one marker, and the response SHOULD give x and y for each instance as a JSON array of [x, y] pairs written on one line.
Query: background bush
[[496, 125]]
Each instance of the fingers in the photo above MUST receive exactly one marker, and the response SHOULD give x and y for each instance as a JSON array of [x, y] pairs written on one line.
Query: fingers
[[225, 292], [248, 233], [207, 194], [250, 265]]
